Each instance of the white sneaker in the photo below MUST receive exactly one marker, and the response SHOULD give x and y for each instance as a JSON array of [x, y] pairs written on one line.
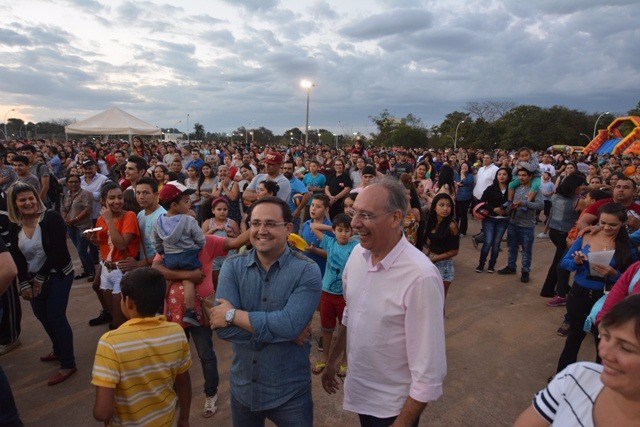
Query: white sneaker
[[542, 236], [6, 348], [210, 407]]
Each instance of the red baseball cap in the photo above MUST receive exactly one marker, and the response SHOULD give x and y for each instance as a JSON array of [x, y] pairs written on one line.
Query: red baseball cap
[[172, 190]]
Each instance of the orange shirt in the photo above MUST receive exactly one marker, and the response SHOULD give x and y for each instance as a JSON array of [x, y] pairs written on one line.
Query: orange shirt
[[126, 224]]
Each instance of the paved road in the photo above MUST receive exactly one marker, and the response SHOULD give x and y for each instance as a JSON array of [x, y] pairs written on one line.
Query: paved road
[[501, 348]]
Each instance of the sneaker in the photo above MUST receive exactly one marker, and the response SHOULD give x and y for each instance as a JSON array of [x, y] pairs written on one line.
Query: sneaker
[[104, 317], [525, 277], [210, 407], [542, 236], [563, 330], [491, 270], [507, 270], [462, 235], [6, 348], [190, 317], [479, 268], [474, 241], [320, 344], [91, 278], [557, 301], [81, 276]]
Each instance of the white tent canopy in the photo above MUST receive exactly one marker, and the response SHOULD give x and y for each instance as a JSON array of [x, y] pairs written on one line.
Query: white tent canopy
[[113, 121]]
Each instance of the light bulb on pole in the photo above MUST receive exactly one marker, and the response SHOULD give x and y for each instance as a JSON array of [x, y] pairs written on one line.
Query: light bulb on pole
[[455, 140], [307, 85], [595, 125]]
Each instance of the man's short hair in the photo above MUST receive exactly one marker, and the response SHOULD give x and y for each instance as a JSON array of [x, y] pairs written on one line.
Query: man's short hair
[[141, 163], [28, 147], [286, 211], [396, 194], [151, 182], [19, 158], [323, 198], [121, 152], [146, 286]]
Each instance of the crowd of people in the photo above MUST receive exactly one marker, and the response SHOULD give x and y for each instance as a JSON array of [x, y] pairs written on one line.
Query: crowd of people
[[174, 215]]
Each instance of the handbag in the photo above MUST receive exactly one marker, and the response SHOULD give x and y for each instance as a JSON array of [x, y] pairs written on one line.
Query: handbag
[[590, 321]]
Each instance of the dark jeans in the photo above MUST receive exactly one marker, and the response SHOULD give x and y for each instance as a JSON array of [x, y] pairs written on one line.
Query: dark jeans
[[520, 236], [8, 412], [296, 412], [82, 246], [462, 215], [580, 300], [50, 308], [11, 315], [371, 421], [493, 230], [202, 338], [559, 239]]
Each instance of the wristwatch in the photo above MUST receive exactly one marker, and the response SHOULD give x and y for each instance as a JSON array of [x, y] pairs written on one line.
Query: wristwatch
[[229, 316]]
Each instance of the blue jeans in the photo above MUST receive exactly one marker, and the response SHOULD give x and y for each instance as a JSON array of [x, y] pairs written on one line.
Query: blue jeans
[[50, 308], [520, 236], [296, 412], [202, 338], [493, 230], [82, 246], [187, 260]]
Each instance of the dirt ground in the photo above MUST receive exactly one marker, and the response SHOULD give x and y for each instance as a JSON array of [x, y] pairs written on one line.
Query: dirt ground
[[501, 348]]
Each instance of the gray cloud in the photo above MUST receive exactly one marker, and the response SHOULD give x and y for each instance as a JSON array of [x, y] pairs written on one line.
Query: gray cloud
[[399, 21], [241, 62], [13, 38]]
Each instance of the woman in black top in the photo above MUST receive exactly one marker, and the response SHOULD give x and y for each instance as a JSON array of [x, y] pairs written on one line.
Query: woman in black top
[[495, 225], [337, 188], [45, 272]]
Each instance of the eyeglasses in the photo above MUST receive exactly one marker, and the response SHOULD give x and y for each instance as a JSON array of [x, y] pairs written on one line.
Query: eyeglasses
[[366, 217], [267, 224]]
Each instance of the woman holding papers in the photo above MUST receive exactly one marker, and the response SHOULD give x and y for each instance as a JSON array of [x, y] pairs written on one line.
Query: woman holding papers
[[609, 242]]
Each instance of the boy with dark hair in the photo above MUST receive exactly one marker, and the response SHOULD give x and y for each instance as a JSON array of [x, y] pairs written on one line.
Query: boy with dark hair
[[332, 301], [21, 167], [318, 215], [177, 236], [137, 365]]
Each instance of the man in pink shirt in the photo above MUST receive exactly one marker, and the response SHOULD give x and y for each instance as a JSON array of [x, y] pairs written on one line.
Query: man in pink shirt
[[393, 321]]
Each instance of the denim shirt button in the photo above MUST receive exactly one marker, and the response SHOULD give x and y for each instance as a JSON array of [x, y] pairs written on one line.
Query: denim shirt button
[[264, 300]]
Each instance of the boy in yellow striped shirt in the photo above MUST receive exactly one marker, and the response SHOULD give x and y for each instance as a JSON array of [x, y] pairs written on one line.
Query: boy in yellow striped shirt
[[136, 365]]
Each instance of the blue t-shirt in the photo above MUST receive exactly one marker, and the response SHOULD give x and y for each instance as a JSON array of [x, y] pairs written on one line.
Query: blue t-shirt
[[307, 234], [319, 181], [337, 256], [296, 187], [146, 223]]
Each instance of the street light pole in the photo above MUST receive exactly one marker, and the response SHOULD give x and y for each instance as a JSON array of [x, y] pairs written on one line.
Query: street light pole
[[5, 122], [188, 135], [307, 85], [586, 136], [455, 140], [595, 125]]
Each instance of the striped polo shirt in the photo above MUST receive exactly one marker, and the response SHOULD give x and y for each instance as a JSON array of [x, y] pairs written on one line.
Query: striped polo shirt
[[140, 360]]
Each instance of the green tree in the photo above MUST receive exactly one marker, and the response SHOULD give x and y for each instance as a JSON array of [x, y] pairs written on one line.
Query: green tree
[[198, 131], [635, 111]]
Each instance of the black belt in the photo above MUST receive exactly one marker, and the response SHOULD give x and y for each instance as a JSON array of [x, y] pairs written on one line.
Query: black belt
[[110, 265], [578, 290]]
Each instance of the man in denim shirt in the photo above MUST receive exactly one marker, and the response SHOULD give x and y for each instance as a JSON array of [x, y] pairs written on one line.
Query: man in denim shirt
[[266, 298]]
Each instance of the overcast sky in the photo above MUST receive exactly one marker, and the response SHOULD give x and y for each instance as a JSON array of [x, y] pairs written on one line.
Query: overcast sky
[[231, 63]]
